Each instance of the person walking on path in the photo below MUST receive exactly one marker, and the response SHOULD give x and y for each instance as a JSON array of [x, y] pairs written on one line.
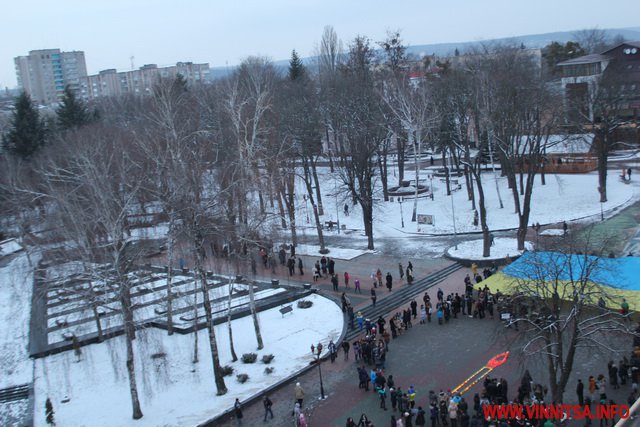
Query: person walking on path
[[299, 394], [345, 349], [300, 266], [237, 407], [333, 351], [401, 270], [373, 296], [267, 407], [334, 282], [356, 283], [389, 281], [379, 278], [346, 280]]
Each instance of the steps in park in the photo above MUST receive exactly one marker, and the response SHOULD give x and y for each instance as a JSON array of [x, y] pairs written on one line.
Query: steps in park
[[401, 296], [11, 394]]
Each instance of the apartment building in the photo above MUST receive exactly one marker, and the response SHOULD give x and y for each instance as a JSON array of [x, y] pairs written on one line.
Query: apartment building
[[44, 73], [139, 82]]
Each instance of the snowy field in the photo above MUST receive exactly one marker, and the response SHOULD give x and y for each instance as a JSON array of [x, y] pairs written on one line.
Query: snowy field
[[174, 391]]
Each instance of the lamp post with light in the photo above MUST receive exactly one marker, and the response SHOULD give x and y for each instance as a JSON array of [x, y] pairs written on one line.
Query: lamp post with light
[[316, 351]]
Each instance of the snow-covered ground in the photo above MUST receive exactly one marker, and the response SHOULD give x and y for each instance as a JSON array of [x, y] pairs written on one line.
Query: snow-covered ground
[[502, 247], [174, 391], [563, 198]]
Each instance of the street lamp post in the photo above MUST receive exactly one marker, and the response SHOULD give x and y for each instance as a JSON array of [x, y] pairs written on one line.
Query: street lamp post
[[316, 351], [401, 214]]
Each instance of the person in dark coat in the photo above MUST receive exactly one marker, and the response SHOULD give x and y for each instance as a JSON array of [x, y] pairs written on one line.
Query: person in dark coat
[[300, 266], [414, 309], [580, 392], [237, 407], [331, 264], [389, 281], [291, 264], [267, 407], [373, 296]]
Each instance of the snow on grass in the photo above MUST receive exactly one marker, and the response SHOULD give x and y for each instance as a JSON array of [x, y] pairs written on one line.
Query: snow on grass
[[173, 391], [502, 247], [337, 253], [16, 285], [563, 198], [552, 232]]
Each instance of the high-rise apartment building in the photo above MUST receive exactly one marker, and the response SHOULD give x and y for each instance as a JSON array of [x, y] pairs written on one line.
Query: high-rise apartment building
[[139, 82], [43, 74]]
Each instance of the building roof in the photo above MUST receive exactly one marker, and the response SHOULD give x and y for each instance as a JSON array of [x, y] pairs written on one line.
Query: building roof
[[586, 59], [632, 44]]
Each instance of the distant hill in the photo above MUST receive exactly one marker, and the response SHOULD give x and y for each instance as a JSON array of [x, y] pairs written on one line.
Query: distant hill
[[530, 41], [447, 49]]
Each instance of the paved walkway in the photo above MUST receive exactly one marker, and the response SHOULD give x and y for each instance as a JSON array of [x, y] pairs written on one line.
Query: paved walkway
[[430, 357]]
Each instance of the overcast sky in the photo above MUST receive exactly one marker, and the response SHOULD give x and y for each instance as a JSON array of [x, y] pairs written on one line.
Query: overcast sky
[[222, 32]]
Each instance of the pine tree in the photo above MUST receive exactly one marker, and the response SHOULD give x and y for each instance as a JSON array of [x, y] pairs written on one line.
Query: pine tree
[[48, 411], [27, 132], [296, 67], [72, 112]]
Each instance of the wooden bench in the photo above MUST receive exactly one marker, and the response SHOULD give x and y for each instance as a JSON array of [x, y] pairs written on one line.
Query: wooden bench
[[286, 309]]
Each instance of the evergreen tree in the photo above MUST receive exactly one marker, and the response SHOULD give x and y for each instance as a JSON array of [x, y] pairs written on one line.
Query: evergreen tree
[[27, 131], [48, 411], [72, 112], [296, 67]]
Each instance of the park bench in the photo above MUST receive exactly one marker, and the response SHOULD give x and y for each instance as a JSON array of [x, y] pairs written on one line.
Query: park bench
[[286, 309], [330, 224]]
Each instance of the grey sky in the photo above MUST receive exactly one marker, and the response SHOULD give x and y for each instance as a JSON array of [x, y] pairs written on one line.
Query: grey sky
[[224, 31]]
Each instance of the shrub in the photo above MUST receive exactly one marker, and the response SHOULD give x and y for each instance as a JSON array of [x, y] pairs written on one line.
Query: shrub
[[268, 370], [249, 358], [226, 370], [242, 378], [304, 303], [267, 358]]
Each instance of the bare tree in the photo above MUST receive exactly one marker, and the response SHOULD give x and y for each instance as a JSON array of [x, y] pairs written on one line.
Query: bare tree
[[592, 40], [92, 190], [414, 108], [360, 131], [557, 310]]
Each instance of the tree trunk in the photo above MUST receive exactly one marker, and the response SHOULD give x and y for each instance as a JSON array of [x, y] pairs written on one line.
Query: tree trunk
[[195, 323], [291, 207], [234, 357], [486, 235], [416, 153], [367, 213], [400, 146], [283, 221], [314, 172], [170, 242], [129, 332], [213, 344], [603, 157], [316, 216], [382, 166], [254, 316]]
